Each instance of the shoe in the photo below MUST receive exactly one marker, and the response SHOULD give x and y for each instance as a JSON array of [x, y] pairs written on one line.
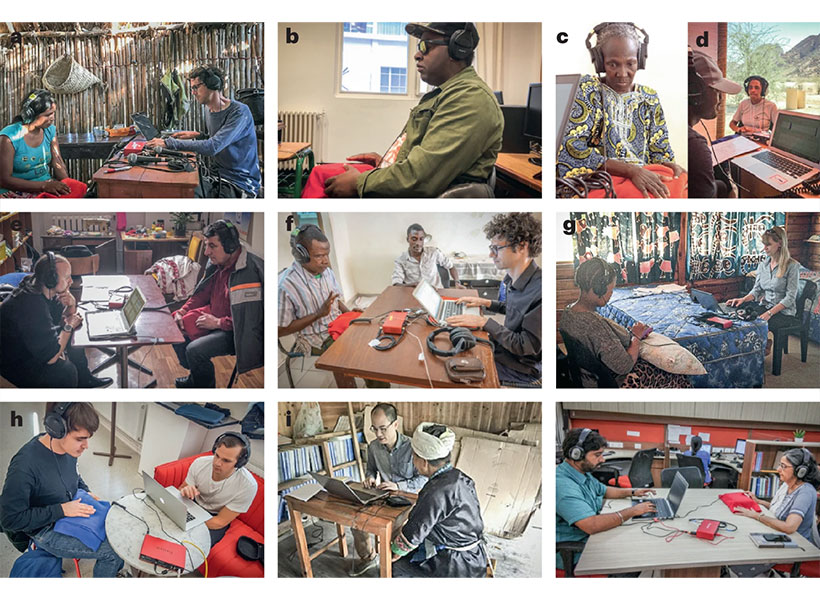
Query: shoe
[[185, 382], [360, 567], [97, 382]]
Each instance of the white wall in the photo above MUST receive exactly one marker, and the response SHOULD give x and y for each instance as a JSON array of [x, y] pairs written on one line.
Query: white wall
[[521, 60]]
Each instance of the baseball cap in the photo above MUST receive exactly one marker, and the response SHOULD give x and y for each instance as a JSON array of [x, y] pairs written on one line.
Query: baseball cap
[[711, 74], [446, 29]]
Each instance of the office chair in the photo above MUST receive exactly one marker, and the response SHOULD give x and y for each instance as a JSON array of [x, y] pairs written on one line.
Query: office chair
[[692, 461], [567, 551], [723, 478], [691, 474], [640, 471], [605, 474], [799, 326]]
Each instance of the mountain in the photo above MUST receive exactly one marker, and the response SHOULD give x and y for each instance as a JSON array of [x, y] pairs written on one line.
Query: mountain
[[803, 60]]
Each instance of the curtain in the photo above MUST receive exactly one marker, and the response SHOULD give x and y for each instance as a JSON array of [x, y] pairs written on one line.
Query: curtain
[[658, 238], [608, 235], [488, 63], [727, 244]]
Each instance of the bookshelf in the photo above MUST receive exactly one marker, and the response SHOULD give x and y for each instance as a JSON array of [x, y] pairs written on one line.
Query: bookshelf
[[769, 450], [16, 230]]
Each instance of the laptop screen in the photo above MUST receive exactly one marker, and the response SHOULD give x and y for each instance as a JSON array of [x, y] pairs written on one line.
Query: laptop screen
[[676, 492], [740, 447], [428, 297], [798, 135], [133, 306]]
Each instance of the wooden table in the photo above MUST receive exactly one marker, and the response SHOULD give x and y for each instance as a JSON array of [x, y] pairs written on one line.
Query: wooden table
[[135, 262], [85, 145], [519, 169], [151, 325], [139, 182], [379, 519], [626, 548], [756, 187], [351, 355]]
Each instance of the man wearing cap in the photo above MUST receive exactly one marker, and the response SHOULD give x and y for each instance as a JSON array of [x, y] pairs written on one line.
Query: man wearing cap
[[443, 535], [452, 136], [706, 88]]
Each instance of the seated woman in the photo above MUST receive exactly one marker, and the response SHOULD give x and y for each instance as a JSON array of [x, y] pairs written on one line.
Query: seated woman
[[774, 295], [618, 126], [30, 154], [601, 348], [755, 113], [696, 443]]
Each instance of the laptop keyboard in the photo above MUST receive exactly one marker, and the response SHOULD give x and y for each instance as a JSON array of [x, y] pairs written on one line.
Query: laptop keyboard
[[781, 163], [450, 309]]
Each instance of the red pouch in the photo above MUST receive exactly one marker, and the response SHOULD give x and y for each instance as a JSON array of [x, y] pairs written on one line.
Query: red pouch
[[739, 500], [625, 189], [193, 332], [338, 325], [77, 190]]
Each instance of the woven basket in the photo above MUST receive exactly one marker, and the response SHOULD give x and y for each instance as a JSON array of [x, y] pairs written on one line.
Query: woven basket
[[66, 76]]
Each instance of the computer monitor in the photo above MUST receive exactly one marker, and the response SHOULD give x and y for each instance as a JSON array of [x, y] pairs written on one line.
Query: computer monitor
[[500, 97], [707, 447], [532, 119], [740, 447], [566, 87]]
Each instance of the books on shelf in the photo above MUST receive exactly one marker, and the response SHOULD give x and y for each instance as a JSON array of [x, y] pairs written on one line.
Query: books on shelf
[[298, 461], [283, 505], [764, 486], [758, 460]]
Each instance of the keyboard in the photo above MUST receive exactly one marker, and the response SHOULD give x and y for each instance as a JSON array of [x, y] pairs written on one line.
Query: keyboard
[[450, 309], [781, 163], [189, 517]]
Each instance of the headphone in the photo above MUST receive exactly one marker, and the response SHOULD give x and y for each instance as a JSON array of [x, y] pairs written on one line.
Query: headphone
[[763, 84], [696, 83], [462, 42], [597, 54], [228, 235], [802, 469], [55, 421], [212, 80], [299, 252], [577, 451], [461, 338], [245, 455], [27, 112], [50, 277], [600, 282]]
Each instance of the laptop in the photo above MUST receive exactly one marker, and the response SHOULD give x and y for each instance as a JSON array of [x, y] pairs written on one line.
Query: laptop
[[186, 514], [340, 489], [666, 508], [145, 126], [438, 308], [793, 155], [108, 324], [566, 86], [708, 302]]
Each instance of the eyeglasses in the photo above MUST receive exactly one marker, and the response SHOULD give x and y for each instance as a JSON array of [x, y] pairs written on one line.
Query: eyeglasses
[[494, 249], [196, 87], [783, 466], [424, 46], [381, 430]]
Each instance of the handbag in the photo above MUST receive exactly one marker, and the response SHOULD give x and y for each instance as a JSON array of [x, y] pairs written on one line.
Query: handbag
[[466, 369]]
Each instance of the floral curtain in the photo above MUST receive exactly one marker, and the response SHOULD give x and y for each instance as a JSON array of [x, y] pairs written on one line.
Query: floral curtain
[[609, 235], [658, 237], [727, 244]]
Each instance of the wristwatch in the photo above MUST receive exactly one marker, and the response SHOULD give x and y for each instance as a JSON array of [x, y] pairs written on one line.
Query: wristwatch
[[68, 328]]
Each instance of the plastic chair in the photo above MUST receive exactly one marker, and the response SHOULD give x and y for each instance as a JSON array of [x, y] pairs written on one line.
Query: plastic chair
[[799, 326], [692, 461], [640, 471], [690, 474]]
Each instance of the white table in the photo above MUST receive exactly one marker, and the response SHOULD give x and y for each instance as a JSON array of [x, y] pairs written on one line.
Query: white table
[[627, 548], [126, 533]]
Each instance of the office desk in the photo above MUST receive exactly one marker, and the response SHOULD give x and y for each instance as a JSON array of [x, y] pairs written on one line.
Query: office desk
[[351, 355], [627, 548], [107, 252], [516, 173], [757, 188], [138, 261], [139, 182], [150, 325], [727, 461], [126, 533], [379, 519], [732, 357]]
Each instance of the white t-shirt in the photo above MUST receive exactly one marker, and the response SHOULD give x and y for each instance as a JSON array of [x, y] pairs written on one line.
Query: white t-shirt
[[235, 493]]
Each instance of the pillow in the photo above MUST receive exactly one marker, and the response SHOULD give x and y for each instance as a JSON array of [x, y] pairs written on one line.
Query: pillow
[[668, 355]]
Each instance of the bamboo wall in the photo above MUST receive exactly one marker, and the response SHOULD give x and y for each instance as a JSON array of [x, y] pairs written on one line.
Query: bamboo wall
[[130, 66]]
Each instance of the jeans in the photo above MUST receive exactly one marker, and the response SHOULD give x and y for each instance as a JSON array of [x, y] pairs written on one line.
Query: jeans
[[217, 535], [196, 355], [70, 373], [63, 546]]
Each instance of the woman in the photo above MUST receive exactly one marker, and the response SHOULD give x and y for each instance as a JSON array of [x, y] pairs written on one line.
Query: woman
[[696, 443], [774, 295], [618, 126], [601, 348], [755, 113], [30, 154]]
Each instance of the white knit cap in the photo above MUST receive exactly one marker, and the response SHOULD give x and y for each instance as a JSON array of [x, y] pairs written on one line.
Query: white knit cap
[[430, 447]]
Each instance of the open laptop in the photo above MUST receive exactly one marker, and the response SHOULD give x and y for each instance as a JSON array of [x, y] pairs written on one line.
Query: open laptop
[[438, 308], [666, 508], [116, 323], [708, 302], [566, 86], [340, 489], [793, 154], [145, 126], [186, 514]]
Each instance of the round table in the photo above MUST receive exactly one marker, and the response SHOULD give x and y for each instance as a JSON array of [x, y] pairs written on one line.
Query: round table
[[126, 533]]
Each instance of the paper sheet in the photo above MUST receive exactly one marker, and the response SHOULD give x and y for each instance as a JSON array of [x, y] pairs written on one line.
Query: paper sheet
[[704, 436], [95, 287], [731, 147]]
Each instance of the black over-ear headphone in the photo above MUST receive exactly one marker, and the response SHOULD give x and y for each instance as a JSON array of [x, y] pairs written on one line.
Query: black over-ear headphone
[[51, 277], [228, 235], [803, 468], [55, 421], [597, 55], [299, 252], [461, 338], [764, 85], [245, 455], [462, 42], [696, 84], [27, 111], [212, 80], [600, 282], [577, 451]]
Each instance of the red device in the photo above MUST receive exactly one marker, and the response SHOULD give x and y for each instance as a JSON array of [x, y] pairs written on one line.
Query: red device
[[163, 553], [719, 322], [707, 529], [116, 302], [133, 148], [394, 323]]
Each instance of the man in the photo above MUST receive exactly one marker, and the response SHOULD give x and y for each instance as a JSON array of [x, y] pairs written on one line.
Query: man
[[515, 242], [443, 535], [222, 485], [390, 466], [225, 314], [579, 496], [420, 262], [755, 114], [42, 482], [36, 326], [452, 136], [231, 139], [707, 87]]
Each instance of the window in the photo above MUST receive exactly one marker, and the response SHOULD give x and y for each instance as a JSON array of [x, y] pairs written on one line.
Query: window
[[393, 80], [374, 58]]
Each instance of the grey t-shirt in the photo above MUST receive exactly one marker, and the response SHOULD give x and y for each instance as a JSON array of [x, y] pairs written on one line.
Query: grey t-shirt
[[761, 115], [801, 502], [394, 465]]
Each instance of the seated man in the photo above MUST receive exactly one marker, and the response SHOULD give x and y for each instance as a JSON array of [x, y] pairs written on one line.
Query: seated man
[[222, 485], [231, 139], [36, 326], [452, 136], [225, 314], [420, 262], [579, 497], [516, 241], [389, 467], [444, 533], [42, 480], [695, 449]]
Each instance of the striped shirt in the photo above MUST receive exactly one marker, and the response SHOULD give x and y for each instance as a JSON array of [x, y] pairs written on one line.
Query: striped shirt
[[409, 270], [301, 294]]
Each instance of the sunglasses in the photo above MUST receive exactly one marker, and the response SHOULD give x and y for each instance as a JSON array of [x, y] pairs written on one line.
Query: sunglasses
[[424, 46]]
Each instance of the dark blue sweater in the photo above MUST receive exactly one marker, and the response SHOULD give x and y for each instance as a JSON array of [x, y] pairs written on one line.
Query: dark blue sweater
[[34, 490]]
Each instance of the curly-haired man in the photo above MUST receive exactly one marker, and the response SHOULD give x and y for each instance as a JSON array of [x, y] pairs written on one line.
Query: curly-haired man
[[515, 240]]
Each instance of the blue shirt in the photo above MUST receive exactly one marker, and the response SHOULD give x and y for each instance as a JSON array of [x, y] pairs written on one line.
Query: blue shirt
[[771, 289], [31, 164], [706, 459], [577, 496], [801, 502]]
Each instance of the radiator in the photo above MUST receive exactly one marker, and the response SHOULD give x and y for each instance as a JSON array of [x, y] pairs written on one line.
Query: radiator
[[303, 127], [80, 223]]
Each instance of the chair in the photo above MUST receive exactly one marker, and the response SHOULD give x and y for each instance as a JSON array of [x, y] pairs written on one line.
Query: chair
[[723, 478], [692, 461], [21, 541], [799, 326], [445, 276], [805, 569], [605, 474], [567, 551], [223, 560], [472, 190], [691, 474], [578, 355], [289, 356], [640, 471]]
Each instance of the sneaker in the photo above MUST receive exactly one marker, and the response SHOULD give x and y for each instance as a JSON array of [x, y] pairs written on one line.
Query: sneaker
[[361, 566]]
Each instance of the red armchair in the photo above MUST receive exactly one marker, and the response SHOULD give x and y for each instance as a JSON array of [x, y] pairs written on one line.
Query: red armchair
[[223, 561]]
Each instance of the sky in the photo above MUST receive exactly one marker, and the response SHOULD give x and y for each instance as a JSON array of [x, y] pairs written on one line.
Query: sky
[[796, 32]]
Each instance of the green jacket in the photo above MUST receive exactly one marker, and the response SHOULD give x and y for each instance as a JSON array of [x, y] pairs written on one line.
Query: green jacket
[[454, 131]]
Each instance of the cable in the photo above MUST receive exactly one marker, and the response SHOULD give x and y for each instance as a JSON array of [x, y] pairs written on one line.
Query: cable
[[699, 507], [139, 371], [205, 558], [424, 358], [159, 518], [57, 464]]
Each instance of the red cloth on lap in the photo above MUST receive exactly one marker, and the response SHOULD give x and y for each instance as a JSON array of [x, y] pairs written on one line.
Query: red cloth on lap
[[625, 189], [315, 186], [78, 190]]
